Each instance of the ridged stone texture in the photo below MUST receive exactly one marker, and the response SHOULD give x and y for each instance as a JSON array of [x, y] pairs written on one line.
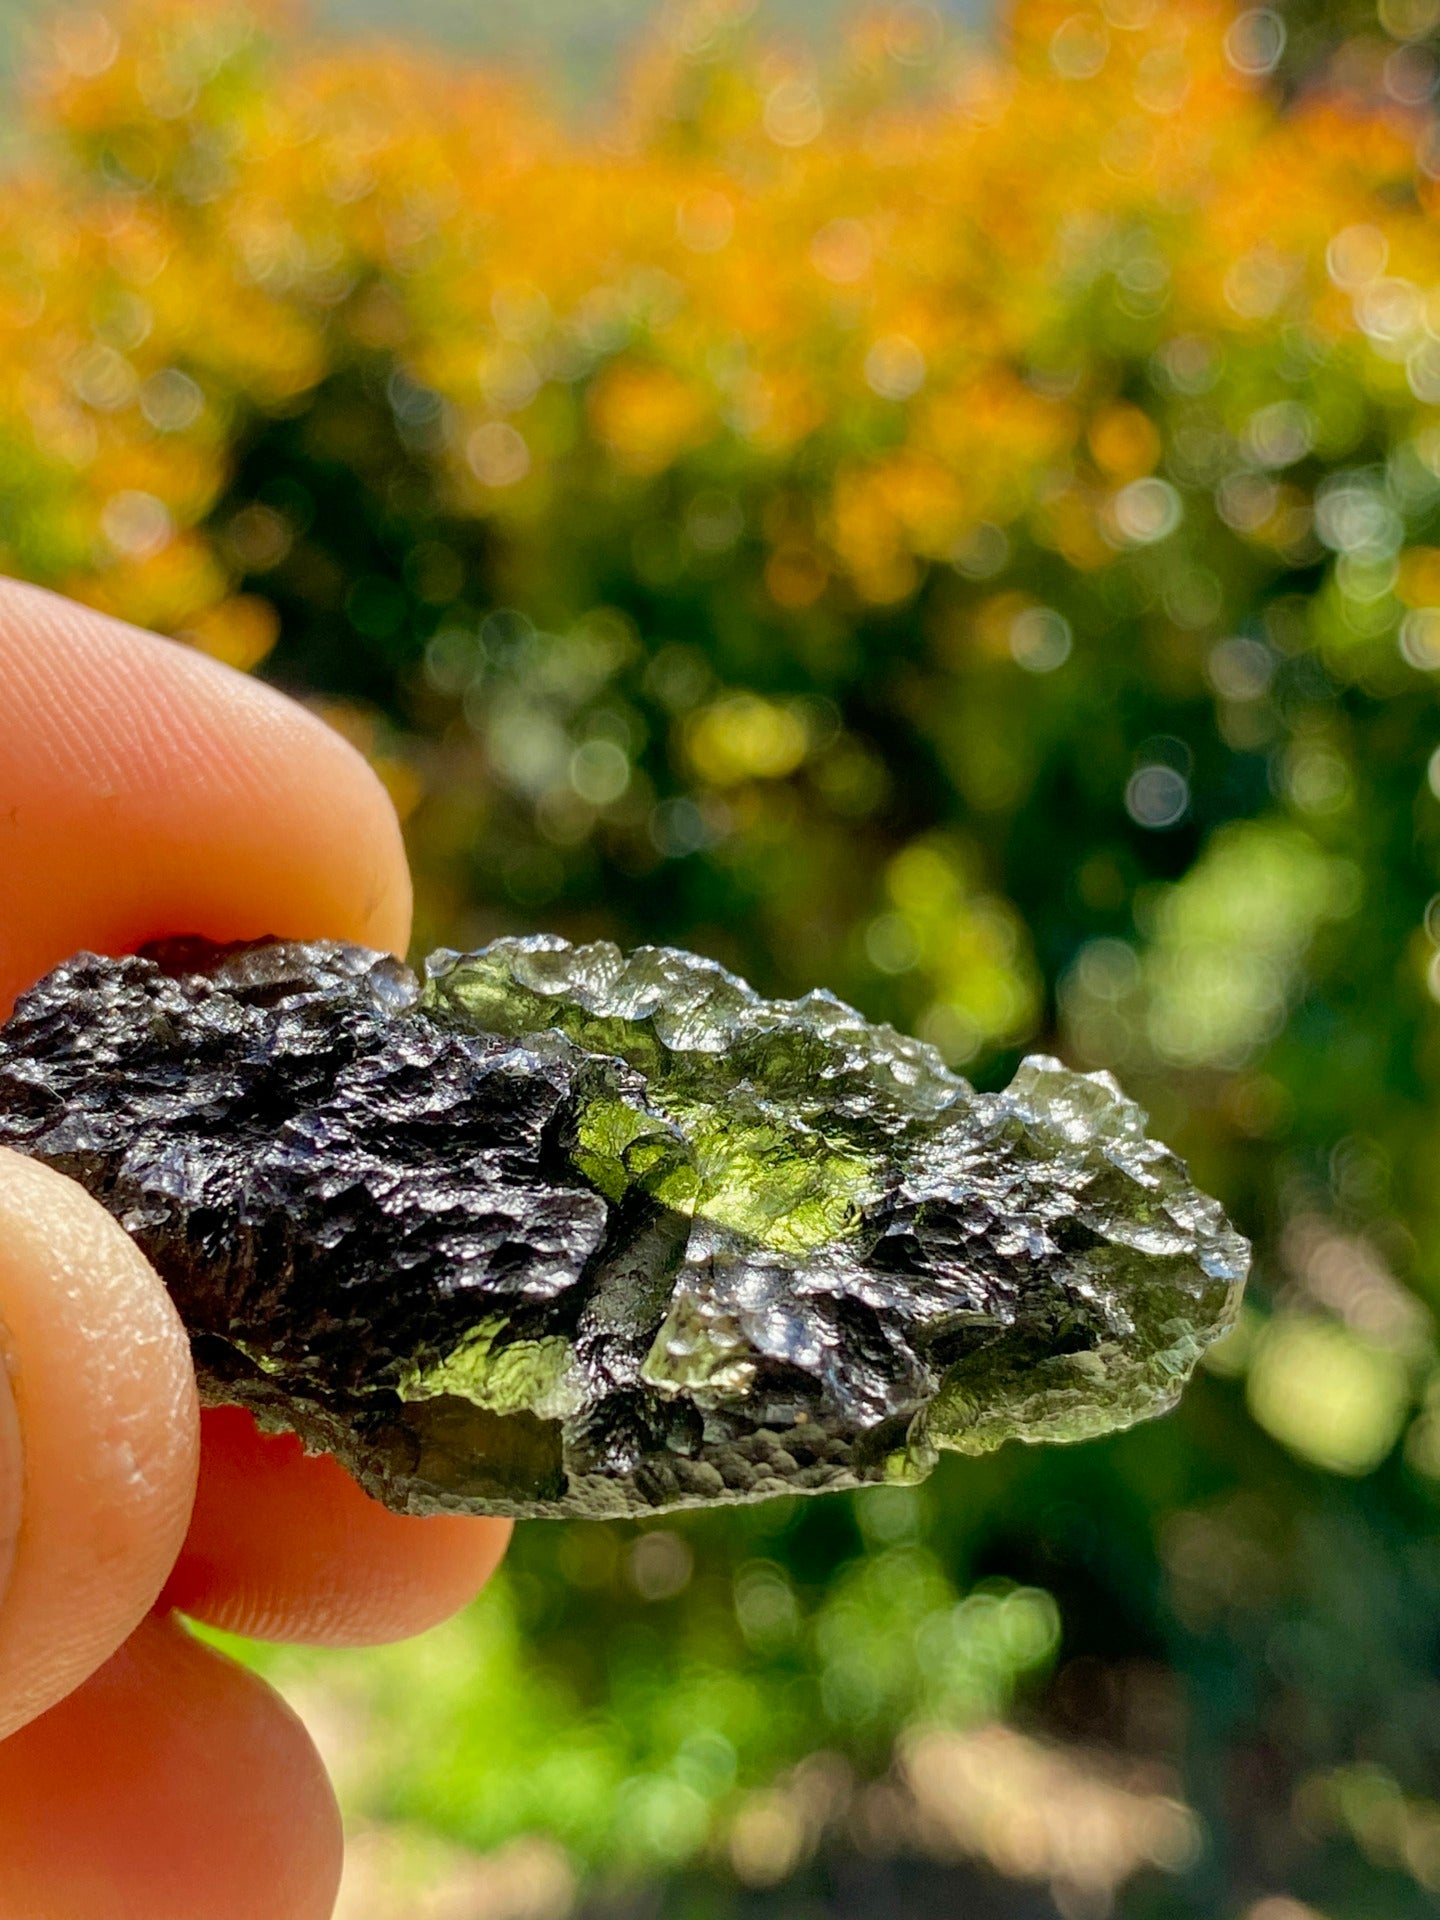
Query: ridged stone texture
[[560, 1230]]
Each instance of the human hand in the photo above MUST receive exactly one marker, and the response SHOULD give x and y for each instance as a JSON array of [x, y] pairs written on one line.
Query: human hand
[[146, 791]]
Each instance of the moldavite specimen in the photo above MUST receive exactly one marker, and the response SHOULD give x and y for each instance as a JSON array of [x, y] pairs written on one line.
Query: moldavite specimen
[[564, 1231]]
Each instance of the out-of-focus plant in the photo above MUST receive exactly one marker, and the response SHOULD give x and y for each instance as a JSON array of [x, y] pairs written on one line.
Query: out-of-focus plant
[[957, 521], [774, 415], [701, 1717]]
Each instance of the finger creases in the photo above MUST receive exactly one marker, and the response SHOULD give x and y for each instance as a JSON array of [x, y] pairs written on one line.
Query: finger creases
[[172, 1785], [100, 1458], [147, 791]]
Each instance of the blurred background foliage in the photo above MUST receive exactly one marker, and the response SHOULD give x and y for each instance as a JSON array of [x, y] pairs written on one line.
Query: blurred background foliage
[[946, 512]]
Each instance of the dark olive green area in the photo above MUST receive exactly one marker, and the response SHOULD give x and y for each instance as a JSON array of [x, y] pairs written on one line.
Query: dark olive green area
[[785, 1127]]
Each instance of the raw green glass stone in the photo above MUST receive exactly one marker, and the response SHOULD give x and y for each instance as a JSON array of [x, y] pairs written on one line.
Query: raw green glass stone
[[561, 1230]]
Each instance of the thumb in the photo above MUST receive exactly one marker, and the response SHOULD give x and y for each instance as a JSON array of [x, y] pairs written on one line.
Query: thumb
[[98, 1437]]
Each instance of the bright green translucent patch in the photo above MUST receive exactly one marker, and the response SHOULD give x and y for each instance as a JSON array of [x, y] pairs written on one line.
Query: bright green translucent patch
[[500, 1376], [780, 1181], [618, 1145], [484, 990], [699, 1349], [784, 1187]]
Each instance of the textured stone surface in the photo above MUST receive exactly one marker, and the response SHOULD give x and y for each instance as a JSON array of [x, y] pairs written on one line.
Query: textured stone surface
[[564, 1231]]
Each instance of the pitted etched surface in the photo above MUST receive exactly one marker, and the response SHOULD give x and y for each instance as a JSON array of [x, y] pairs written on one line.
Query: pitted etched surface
[[566, 1231]]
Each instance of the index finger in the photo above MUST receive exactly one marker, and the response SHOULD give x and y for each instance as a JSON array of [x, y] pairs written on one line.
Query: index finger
[[146, 790]]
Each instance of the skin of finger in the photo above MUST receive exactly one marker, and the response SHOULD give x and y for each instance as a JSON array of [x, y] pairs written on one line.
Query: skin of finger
[[200, 1797], [146, 791], [352, 1572], [108, 1426]]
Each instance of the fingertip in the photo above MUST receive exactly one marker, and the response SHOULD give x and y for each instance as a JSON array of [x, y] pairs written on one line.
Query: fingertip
[[173, 1784], [146, 791], [107, 1428], [284, 1545]]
